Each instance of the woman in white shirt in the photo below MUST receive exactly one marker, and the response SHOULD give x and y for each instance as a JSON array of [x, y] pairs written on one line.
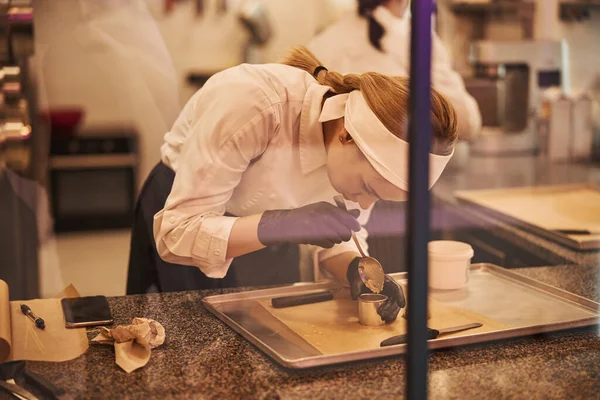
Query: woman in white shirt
[[377, 38], [257, 156]]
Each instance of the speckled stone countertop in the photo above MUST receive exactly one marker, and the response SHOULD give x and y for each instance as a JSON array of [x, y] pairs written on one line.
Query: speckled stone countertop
[[203, 358], [519, 171]]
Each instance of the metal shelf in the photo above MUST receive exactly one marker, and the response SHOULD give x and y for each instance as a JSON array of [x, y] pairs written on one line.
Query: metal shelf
[[580, 2], [577, 10], [520, 9]]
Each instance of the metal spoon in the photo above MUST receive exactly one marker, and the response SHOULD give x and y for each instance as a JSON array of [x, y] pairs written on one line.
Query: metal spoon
[[369, 269]]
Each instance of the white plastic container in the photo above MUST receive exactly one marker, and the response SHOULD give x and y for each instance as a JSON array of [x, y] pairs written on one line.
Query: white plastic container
[[449, 263]]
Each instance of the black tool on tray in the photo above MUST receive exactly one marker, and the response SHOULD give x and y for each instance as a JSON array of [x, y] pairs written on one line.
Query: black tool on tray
[[432, 334], [577, 231], [15, 369], [43, 385], [9, 372], [300, 299]]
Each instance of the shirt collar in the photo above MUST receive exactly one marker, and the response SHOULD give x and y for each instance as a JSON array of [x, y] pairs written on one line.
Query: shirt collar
[[388, 20], [313, 154]]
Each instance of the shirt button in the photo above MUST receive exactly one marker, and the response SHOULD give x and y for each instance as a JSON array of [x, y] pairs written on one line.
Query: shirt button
[[217, 252], [172, 220], [174, 238], [273, 196]]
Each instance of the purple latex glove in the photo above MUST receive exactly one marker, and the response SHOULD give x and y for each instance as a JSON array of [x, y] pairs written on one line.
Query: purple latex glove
[[396, 301], [321, 224]]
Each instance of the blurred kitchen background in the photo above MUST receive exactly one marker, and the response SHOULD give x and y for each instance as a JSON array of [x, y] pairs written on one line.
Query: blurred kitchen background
[[81, 132]]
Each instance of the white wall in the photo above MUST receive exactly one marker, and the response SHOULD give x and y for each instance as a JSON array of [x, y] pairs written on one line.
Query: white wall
[[583, 39], [584, 49]]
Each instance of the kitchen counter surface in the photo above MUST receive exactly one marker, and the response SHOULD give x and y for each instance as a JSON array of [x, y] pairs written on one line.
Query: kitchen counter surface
[[203, 358]]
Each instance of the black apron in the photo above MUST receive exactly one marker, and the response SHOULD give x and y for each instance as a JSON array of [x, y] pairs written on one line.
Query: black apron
[[273, 265]]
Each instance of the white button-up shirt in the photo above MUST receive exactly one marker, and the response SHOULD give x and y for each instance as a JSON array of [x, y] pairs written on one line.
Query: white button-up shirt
[[248, 141], [345, 48]]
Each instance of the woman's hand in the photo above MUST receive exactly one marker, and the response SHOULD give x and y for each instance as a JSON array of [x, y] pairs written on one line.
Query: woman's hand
[[396, 301], [321, 224]]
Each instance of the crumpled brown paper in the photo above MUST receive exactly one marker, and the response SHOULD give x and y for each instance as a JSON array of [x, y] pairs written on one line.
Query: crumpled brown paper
[[133, 343]]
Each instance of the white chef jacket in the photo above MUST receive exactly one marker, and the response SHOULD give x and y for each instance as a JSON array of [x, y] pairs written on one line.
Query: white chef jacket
[[345, 48], [248, 141]]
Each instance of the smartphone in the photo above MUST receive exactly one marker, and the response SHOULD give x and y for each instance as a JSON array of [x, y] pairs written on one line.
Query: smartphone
[[86, 311]]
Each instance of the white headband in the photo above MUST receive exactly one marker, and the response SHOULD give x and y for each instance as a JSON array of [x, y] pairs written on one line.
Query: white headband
[[386, 152]]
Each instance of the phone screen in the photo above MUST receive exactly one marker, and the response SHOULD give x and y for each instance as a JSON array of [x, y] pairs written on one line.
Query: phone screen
[[86, 311]]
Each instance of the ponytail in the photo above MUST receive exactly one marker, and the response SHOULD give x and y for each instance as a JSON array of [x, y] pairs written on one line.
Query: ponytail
[[376, 30], [386, 96], [302, 58]]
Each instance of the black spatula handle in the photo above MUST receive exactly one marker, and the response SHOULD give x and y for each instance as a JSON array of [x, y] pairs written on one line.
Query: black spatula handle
[[42, 384], [298, 300]]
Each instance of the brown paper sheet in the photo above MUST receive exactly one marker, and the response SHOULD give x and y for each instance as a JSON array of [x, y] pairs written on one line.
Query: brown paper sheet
[[69, 293], [131, 355], [5, 336], [332, 327], [133, 343], [21, 340]]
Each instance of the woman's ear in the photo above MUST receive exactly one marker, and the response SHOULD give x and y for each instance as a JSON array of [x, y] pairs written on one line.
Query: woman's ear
[[345, 137]]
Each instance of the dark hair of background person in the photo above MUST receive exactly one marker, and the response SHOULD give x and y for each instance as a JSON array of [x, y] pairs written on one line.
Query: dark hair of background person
[[376, 31]]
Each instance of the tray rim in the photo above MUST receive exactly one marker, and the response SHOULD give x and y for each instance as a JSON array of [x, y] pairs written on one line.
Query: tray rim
[[211, 302], [550, 235]]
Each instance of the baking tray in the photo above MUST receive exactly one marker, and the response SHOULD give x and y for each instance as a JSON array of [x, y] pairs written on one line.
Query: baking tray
[[541, 209], [523, 304]]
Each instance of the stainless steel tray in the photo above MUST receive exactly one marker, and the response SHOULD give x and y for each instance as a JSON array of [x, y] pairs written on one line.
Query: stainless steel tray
[[525, 305], [479, 201]]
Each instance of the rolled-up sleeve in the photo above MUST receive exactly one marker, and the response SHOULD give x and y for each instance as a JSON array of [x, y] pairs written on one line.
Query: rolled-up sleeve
[[232, 123]]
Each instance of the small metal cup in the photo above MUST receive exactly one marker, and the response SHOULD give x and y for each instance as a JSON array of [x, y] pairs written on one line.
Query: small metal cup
[[368, 303]]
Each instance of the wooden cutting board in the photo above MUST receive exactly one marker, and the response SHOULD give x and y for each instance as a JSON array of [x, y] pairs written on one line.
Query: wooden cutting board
[[332, 327]]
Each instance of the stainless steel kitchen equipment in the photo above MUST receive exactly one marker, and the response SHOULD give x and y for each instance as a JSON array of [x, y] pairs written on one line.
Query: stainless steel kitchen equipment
[[93, 180], [510, 77], [524, 305], [582, 131], [20, 166], [368, 304], [555, 125], [17, 92]]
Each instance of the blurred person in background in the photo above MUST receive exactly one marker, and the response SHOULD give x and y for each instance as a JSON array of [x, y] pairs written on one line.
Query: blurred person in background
[[377, 38]]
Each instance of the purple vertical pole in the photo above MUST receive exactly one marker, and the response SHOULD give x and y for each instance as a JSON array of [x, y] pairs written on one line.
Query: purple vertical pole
[[418, 197]]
